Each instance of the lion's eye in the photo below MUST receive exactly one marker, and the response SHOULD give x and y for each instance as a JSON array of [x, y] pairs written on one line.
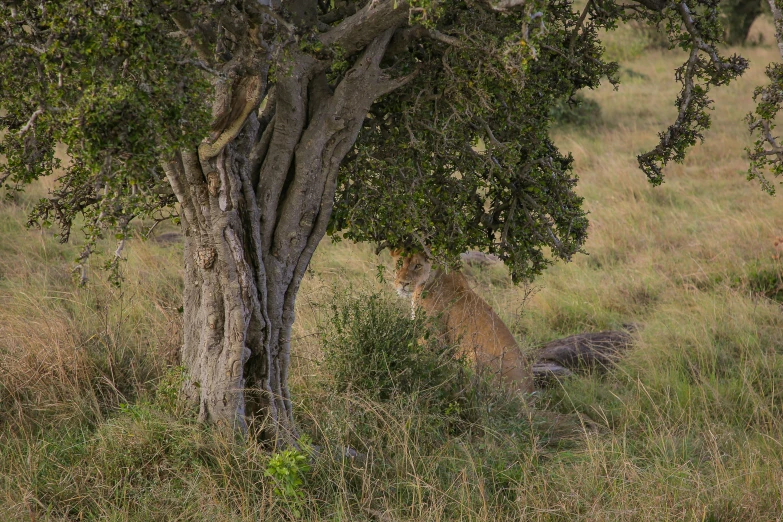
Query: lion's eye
[[417, 267]]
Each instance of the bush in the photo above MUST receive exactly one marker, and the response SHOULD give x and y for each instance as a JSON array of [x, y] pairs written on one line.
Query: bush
[[576, 111], [375, 349], [287, 469], [373, 346]]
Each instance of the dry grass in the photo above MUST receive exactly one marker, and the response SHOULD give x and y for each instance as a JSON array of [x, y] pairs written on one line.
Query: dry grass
[[687, 428]]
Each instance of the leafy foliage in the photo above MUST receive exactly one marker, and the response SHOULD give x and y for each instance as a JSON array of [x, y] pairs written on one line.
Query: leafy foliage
[[458, 156], [107, 80], [287, 468], [372, 345], [375, 350], [461, 158], [693, 26], [766, 154]]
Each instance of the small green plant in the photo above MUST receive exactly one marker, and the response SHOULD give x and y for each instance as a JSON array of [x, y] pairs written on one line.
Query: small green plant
[[168, 393], [287, 469]]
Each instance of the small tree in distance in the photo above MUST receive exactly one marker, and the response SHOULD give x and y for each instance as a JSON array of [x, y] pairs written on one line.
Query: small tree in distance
[[262, 125], [740, 15]]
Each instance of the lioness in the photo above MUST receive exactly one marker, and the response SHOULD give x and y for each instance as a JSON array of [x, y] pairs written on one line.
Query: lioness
[[465, 316]]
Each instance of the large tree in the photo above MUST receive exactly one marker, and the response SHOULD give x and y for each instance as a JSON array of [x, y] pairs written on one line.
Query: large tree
[[262, 125]]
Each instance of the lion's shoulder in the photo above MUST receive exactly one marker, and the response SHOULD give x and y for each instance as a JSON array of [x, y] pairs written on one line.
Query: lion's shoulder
[[451, 295]]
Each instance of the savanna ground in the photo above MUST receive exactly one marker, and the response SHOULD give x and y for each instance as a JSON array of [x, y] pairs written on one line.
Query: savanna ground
[[688, 427]]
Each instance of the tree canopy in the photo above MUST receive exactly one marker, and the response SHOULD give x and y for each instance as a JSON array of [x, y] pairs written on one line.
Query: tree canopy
[[458, 157]]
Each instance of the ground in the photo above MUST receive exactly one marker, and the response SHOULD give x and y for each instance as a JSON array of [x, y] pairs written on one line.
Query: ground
[[687, 427]]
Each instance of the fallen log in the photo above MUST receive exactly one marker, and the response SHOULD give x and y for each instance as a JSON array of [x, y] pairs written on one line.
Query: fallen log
[[581, 353]]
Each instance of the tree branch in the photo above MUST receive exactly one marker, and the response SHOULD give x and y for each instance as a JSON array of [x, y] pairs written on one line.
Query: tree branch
[[334, 15], [184, 24], [23, 45], [777, 16], [291, 109], [174, 175], [653, 5], [357, 31], [204, 67], [395, 83], [403, 38], [276, 17], [31, 122], [692, 118], [506, 5], [735, 64], [252, 95]]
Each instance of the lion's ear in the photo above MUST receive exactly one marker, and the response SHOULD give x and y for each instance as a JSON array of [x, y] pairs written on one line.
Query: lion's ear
[[396, 252]]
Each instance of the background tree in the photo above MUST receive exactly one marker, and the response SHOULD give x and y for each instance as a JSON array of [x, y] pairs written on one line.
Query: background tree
[[413, 124], [739, 17]]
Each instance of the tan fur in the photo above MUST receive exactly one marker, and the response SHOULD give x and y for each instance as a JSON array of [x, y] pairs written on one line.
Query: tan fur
[[465, 316]]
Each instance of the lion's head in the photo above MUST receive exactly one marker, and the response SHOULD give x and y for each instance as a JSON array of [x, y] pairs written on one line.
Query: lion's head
[[412, 275]]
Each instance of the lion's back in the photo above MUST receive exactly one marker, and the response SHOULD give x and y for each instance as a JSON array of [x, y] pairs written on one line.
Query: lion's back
[[469, 320]]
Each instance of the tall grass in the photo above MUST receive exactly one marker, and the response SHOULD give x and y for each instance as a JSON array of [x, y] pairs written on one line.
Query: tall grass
[[688, 426]]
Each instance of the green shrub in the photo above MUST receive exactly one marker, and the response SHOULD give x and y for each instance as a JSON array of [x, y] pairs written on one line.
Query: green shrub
[[374, 349], [765, 281], [760, 280], [373, 346], [287, 469], [576, 111]]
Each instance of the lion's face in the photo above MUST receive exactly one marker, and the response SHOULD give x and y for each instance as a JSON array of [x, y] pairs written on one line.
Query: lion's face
[[412, 275]]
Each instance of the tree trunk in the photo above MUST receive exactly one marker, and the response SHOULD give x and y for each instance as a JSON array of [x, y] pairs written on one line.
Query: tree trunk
[[255, 202], [234, 341]]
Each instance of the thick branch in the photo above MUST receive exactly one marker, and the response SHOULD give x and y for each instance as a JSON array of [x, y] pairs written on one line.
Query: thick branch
[[506, 5], [777, 15], [329, 135], [405, 36], [185, 25], [252, 97], [175, 175], [653, 5], [289, 122], [341, 12], [356, 31]]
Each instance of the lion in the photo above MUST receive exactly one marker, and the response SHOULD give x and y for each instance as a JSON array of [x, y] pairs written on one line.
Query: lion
[[465, 317]]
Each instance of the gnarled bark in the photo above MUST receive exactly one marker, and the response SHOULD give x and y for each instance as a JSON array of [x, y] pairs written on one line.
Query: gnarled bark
[[256, 201]]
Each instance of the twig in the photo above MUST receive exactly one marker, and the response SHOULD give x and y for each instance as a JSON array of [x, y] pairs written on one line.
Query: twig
[[579, 24], [31, 121], [201, 64], [424, 246]]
